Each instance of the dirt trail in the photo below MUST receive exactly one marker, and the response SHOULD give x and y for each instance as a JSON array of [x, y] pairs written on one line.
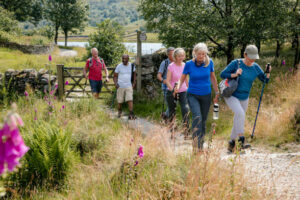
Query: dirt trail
[[277, 173]]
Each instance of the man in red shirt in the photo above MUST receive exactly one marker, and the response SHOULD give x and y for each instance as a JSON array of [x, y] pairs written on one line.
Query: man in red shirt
[[95, 65]]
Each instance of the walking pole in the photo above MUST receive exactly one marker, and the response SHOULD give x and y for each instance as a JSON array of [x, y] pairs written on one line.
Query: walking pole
[[261, 95], [113, 100], [83, 91]]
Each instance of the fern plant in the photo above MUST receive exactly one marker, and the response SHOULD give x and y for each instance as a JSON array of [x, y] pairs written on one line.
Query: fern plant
[[49, 161]]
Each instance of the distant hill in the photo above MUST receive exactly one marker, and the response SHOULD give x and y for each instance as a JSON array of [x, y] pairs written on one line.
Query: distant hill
[[122, 11]]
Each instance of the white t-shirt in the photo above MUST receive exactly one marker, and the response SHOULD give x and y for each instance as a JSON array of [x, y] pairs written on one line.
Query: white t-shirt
[[124, 75]]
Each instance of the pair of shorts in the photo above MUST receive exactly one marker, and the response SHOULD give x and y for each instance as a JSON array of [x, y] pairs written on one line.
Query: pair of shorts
[[96, 86], [124, 93]]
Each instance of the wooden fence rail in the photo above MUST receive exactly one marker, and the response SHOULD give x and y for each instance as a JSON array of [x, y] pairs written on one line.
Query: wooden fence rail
[[77, 83]]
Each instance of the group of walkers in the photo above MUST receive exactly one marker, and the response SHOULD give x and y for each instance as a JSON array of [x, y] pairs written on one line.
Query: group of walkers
[[189, 84], [124, 79]]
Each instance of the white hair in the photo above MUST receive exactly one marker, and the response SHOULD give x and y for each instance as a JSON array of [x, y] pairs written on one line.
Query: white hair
[[201, 47], [177, 52], [94, 49]]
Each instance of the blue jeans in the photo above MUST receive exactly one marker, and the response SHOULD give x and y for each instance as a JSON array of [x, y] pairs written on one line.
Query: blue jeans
[[183, 105], [199, 106], [165, 90]]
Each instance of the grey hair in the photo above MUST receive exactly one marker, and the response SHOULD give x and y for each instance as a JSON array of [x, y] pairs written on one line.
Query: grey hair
[[94, 49], [201, 47], [178, 51], [170, 49]]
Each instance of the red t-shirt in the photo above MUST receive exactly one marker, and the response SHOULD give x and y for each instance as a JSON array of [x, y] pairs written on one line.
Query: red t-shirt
[[95, 71]]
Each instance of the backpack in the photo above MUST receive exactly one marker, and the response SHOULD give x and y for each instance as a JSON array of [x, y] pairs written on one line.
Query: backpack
[[166, 67], [91, 62], [229, 85], [132, 75]]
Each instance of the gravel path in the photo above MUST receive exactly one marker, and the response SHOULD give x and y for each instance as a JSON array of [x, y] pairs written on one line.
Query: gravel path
[[277, 173], [67, 53]]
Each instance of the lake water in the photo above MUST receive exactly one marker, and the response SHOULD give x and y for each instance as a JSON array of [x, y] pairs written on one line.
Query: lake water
[[147, 48]]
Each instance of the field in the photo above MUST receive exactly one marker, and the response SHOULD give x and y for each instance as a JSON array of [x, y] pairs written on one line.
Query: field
[[98, 154]]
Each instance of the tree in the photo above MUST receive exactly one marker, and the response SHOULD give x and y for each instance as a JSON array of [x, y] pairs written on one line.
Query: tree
[[75, 14], [7, 21], [108, 41], [25, 10], [8, 25], [295, 30], [224, 23], [53, 13]]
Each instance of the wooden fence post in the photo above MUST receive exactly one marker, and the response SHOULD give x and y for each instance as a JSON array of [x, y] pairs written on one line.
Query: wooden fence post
[[139, 62], [60, 79]]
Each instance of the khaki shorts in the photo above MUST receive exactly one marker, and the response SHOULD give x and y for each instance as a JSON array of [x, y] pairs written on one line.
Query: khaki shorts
[[124, 93]]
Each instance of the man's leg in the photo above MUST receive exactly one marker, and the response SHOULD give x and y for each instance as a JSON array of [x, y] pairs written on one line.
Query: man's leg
[[120, 99], [96, 95], [129, 99]]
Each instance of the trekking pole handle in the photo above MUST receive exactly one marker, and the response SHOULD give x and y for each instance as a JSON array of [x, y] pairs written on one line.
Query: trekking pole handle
[[268, 68]]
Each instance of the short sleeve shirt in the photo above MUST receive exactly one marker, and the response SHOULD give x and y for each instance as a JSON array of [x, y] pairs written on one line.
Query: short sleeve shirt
[[124, 75], [199, 83], [176, 72]]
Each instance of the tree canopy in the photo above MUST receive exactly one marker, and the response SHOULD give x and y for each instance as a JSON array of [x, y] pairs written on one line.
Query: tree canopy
[[227, 24], [108, 41]]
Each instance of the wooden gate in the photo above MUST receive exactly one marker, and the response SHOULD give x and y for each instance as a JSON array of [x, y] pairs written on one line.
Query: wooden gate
[[72, 83]]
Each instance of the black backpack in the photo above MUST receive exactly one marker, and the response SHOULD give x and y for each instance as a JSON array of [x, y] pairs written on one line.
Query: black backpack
[[132, 75], [91, 62]]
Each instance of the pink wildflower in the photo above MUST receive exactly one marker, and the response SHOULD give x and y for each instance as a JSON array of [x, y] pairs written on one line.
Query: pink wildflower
[[50, 58], [140, 152], [12, 146], [67, 83]]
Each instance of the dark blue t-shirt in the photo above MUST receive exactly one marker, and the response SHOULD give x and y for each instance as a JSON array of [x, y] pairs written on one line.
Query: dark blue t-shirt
[[199, 82]]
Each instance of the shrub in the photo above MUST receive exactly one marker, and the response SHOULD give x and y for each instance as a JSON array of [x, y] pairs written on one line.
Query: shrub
[[108, 40], [49, 161]]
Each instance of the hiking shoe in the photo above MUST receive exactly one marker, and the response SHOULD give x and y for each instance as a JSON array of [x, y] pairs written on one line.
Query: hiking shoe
[[131, 116], [231, 145], [119, 113], [242, 144]]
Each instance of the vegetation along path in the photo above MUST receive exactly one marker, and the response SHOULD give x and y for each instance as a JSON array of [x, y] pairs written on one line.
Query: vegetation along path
[[278, 173]]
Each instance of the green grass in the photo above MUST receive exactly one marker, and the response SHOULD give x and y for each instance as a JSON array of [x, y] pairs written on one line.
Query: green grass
[[13, 59], [130, 29]]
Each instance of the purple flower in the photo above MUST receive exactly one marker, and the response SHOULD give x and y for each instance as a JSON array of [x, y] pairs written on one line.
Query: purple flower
[[51, 92], [140, 152], [26, 94], [50, 58], [67, 83], [283, 62], [63, 107], [136, 163], [56, 86], [35, 118]]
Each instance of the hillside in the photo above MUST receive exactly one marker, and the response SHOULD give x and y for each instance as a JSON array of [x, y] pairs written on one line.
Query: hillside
[[122, 11]]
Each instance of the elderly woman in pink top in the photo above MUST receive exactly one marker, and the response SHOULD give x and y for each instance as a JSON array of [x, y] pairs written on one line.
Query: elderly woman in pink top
[[175, 70]]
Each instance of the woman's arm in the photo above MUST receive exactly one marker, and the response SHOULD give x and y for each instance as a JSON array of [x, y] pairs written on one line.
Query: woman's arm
[[169, 76], [215, 85], [231, 70], [187, 82], [181, 81]]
